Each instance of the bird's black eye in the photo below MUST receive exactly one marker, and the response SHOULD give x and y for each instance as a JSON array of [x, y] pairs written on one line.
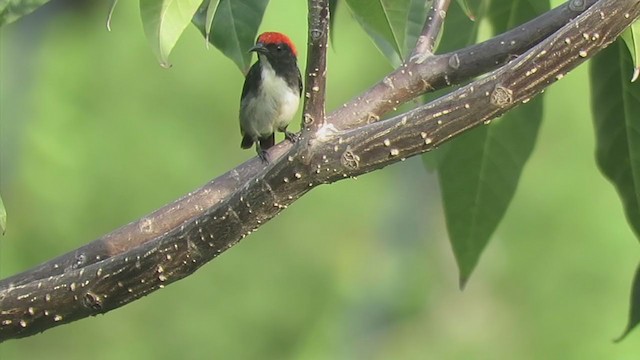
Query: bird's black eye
[[279, 47]]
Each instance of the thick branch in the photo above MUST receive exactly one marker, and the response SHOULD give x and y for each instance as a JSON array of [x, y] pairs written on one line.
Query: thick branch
[[37, 305], [404, 84], [439, 71]]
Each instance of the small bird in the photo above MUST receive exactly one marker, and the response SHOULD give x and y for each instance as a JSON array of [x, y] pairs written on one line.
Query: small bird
[[271, 93]]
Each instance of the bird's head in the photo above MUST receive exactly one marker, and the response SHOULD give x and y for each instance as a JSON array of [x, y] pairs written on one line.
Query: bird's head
[[274, 45]]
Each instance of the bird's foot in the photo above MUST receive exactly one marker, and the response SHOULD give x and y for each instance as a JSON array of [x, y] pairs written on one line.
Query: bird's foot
[[264, 156], [293, 137]]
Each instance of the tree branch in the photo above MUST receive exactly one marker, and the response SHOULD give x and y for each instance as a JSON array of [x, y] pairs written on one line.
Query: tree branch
[[408, 82], [436, 72], [245, 198], [431, 31], [316, 74]]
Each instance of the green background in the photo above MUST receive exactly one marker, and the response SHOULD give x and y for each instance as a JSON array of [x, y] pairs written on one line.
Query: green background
[[95, 134]]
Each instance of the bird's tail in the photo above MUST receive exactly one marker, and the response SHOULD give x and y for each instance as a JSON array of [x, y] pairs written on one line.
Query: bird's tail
[[247, 142]]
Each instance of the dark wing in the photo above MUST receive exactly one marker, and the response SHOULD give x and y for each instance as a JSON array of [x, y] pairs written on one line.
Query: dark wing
[[250, 86], [251, 81], [299, 82]]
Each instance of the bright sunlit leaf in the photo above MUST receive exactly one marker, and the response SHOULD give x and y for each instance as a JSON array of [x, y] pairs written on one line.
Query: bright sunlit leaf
[[234, 28], [385, 22], [631, 37], [479, 171], [164, 21], [12, 10], [616, 109]]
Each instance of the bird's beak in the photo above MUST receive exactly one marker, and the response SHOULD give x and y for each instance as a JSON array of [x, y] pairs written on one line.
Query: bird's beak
[[259, 48]]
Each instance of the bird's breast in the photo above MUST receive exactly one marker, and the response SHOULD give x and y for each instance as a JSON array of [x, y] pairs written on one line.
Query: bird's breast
[[279, 95], [272, 107]]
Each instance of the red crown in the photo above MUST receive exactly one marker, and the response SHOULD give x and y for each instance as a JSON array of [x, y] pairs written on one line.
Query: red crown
[[275, 38]]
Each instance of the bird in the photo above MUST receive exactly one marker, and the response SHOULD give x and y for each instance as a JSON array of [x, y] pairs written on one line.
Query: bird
[[270, 94]]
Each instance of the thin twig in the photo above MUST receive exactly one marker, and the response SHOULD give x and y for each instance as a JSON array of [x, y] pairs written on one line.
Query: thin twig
[[316, 74], [430, 31]]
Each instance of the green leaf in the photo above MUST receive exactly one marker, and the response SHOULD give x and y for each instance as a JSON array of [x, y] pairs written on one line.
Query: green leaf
[[385, 22], [631, 37], [479, 172], [470, 8], [616, 108], [505, 15], [634, 307], [212, 6], [3, 217], [164, 21], [234, 29], [458, 31], [333, 9], [12, 10]]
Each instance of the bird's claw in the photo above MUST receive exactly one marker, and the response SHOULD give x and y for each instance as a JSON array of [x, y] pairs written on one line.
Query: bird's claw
[[264, 156], [293, 137]]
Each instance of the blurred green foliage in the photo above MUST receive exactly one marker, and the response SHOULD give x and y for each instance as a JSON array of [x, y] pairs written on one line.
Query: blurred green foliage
[[94, 134]]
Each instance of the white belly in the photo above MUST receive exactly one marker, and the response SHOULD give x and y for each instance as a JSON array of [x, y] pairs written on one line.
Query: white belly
[[272, 109]]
